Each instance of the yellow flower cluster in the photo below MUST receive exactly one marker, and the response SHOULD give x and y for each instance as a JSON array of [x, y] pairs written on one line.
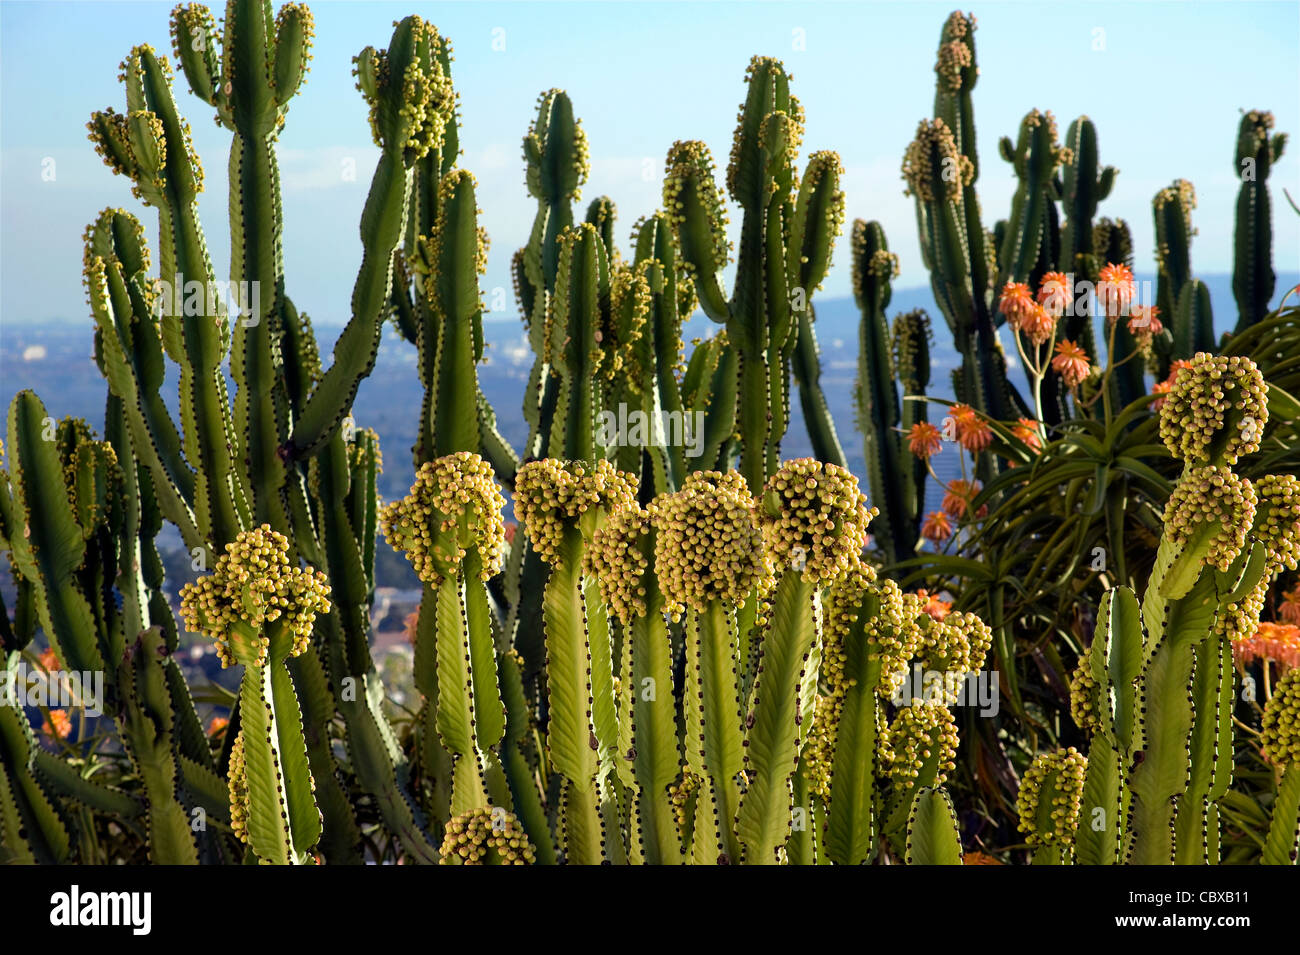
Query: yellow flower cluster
[[552, 495], [486, 836], [1207, 496], [917, 735], [1083, 697], [814, 519], [708, 545], [934, 141], [454, 506], [1281, 726], [1277, 520], [680, 793], [238, 785], [1239, 621], [1063, 771], [1216, 406], [956, 644], [617, 558], [251, 587]]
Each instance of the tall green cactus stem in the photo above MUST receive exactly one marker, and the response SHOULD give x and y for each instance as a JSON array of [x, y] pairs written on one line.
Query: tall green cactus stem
[[895, 478], [786, 241], [562, 505], [411, 101], [621, 560], [814, 521], [1037, 157], [151, 146], [1084, 184], [1179, 295], [820, 199], [261, 66], [259, 610], [1281, 746], [709, 561], [940, 167], [1258, 149], [451, 530]]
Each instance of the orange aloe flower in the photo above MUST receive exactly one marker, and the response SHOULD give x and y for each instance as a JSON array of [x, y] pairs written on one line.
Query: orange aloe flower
[[1055, 293], [1071, 363], [1279, 642], [1026, 431], [937, 609], [62, 727], [937, 527], [217, 724], [49, 661], [973, 432], [957, 497], [1115, 289], [1016, 303], [924, 440], [1038, 325], [1144, 323]]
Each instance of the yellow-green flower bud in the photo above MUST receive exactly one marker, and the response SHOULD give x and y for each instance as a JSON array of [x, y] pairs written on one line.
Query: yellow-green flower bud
[[1084, 697], [708, 545], [1213, 498], [1280, 730], [618, 558], [1059, 774], [1277, 520], [552, 495], [1216, 410], [920, 734], [814, 519], [486, 836], [454, 506]]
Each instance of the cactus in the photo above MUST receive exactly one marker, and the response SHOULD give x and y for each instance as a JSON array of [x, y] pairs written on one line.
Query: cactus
[[1159, 679], [786, 240], [1258, 149]]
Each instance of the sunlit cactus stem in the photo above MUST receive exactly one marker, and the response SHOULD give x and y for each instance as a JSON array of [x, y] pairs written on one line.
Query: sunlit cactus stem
[[451, 529], [1258, 150], [259, 610], [562, 505], [709, 560]]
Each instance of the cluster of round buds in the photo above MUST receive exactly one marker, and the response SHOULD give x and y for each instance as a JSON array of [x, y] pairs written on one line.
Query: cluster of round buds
[[818, 754], [486, 836], [679, 795], [1277, 520], [552, 496], [252, 587], [1212, 495], [918, 735], [1239, 621], [238, 786], [935, 141], [814, 519], [1280, 730], [1063, 772], [956, 644], [708, 545], [1084, 697], [618, 558], [454, 507], [1216, 407]]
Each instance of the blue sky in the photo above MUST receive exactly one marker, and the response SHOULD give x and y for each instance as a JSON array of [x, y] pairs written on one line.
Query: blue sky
[[1164, 82]]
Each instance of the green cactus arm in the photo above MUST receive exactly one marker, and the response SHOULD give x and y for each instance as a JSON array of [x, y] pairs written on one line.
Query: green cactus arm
[[654, 726], [1193, 324], [70, 784], [932, 834], [580, 826], [1172, 210], [582, 292], [520, 776], [710, 385], [1282, 845], [1253, 278], [1083, 187], [774, 735], [816, 412], [1116, 660], [851, 822], [52, 546], [1196, 825], [604, 708], [694, 207], [714, 741], [31, 829], [146, 728], [1100, 837], [569, 735], [1036, 159]]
